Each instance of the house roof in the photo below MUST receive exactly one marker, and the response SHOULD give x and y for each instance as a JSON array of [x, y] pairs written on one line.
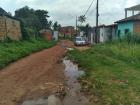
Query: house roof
[[131, 18], [112, 25], [134, 8], [67, 27], [4, 13]]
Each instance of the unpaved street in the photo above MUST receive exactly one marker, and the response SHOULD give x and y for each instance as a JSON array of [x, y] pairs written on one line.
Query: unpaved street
[[33, 76]]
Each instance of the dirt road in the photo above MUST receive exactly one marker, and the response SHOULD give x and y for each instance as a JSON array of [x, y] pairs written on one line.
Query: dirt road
[[29, 77]]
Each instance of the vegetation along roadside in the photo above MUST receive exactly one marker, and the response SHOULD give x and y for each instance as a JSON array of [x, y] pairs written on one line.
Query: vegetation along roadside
[[112, 72], [12, 51]]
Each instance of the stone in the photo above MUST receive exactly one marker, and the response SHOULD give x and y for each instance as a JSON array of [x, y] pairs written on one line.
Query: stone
[[53, 100]]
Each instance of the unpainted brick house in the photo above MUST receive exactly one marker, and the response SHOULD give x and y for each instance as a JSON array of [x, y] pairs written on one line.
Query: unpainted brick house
[[68, 30], [9, 27]]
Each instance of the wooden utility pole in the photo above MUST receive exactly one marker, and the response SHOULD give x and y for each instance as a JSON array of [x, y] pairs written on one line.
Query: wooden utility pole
[[97, 20], [76, 25]]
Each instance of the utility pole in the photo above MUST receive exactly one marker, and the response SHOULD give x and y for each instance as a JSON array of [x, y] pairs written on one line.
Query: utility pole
[[76, 25], [97, 20]]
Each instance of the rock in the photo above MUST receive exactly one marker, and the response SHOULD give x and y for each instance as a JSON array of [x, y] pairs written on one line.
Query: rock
[[53, 100]]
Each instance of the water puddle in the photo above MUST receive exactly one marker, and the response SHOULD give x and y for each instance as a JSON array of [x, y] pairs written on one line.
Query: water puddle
[[74, 96], [73, 93]]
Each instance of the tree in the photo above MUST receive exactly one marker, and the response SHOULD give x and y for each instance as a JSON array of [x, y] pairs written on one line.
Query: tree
[[42, 16], [85, 28], [32, 20], [50, 24], [82, 18], [59, 27], [55, 26]]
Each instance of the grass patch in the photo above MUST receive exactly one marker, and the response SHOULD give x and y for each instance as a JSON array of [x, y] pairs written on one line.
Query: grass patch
[[112, 72], [12, 51]]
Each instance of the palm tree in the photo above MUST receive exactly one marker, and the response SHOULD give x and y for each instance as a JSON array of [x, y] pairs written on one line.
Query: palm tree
[[82, 18]]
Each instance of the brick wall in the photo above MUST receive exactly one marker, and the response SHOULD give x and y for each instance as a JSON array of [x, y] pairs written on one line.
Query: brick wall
[[2, 28], [13, 29], [10, 28], [137, 27]]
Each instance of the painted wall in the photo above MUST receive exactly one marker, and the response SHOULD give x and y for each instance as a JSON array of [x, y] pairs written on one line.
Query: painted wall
[[104, 34], [123, 26]]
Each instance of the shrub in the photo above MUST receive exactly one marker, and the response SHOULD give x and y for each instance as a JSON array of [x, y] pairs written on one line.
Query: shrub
[[132, 38], [12, 51]]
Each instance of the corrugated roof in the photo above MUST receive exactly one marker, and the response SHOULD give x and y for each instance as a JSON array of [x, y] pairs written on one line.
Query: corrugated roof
[[134, 8], [131, 18]]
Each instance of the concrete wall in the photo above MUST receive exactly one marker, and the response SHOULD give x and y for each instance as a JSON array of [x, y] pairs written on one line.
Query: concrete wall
[[13, 29], [123, 26], [104, 35]]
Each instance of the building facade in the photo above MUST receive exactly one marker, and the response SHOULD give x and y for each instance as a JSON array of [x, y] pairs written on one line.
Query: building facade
[[104, 33], [9, 27], [128, 25], [68, 31]]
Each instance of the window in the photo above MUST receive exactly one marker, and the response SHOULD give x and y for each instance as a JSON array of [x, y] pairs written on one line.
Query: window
[[126, 31]]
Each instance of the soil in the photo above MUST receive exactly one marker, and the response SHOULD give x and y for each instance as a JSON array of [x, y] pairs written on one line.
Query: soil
[[37, 75]]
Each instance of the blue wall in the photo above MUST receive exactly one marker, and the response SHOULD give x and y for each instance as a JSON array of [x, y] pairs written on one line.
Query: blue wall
[[126, 25]]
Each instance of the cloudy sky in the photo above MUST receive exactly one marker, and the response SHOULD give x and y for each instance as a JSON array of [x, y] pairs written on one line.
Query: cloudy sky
[[65, 11]]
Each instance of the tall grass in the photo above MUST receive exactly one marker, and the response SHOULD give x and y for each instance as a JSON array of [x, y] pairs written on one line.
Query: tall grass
[[12, 51], [112, 72]]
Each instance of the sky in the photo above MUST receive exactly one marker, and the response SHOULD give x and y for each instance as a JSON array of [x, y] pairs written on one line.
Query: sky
[[65, 11]]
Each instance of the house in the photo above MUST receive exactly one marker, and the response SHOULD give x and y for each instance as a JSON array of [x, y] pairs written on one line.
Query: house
[[128, 25], [104, 33], [111, 31], [9, 26], [46, 34], [132, 9], [68, 31]]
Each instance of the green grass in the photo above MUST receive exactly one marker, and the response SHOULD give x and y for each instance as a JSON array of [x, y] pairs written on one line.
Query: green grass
[[112, 72], [12, 51]]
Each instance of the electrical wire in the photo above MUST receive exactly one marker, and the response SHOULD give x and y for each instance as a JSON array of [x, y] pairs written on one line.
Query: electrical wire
[[89, 7]]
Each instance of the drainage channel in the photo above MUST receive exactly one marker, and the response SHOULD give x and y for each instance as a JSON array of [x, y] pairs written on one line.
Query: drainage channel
[[73, 93]]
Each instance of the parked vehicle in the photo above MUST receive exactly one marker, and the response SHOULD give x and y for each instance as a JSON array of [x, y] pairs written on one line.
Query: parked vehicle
[[80, 41]]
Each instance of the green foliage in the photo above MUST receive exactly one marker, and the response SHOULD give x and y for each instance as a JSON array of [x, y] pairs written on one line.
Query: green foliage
[[113, 72], [12, 51], [133, 38], [82, 18], [32, 21], [56, 26]]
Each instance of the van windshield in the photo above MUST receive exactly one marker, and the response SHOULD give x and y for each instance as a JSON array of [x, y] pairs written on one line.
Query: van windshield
[[79, 39]]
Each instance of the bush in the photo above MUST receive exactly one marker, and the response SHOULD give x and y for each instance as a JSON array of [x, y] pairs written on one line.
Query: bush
[[12, 51], [133, 38]]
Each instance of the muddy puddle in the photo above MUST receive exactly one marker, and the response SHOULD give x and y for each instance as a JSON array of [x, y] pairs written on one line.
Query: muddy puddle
[[73, 94]]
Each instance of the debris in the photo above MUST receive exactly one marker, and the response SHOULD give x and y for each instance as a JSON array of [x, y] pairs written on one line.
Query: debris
[[70, 49], [53, 100]]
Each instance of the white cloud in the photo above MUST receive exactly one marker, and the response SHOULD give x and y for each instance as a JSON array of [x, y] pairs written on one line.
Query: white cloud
[[65, 11]]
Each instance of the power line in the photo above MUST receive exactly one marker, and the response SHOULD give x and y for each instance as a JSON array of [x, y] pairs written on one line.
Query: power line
[[89, 7]]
